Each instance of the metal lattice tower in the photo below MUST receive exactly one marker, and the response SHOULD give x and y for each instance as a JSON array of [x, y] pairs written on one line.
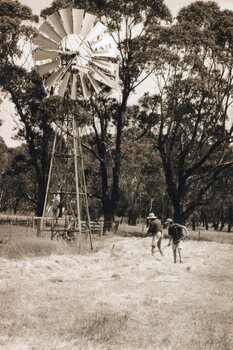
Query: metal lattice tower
[[76, 55]]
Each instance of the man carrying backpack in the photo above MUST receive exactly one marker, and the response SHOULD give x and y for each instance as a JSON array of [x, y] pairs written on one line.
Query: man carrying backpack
[[176, 236], [156, 230]]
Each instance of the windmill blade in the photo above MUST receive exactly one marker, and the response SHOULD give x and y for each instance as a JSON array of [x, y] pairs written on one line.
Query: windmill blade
[[86, 92], [47, 67], [55, 76], [115, 70], [77, 20], [44, 42], [41, 55], [87, 24], [106, 66], [50, 32], [72, 41], [57, 23], [73, 95], [63, 86], [104, 53], [104, 42], [94, 83], [98, 29], [116, 67], [94, 42], [105, 79], [67, 18]]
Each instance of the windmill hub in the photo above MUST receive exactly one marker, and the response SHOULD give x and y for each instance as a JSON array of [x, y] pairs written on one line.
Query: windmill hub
[[76, 54]]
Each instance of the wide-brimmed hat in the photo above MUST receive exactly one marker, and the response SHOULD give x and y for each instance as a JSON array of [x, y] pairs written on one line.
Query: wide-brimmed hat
[[151, 216], [169, 221]]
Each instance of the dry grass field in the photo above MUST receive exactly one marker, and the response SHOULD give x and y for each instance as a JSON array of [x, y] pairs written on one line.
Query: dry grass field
[[56, 297]]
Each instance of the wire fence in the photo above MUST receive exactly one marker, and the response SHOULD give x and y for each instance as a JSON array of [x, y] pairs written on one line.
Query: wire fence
[[8, 222], [140, 230]]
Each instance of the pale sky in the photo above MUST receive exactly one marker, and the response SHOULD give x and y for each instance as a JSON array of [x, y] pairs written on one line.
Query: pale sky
[[173, 5], [7, 109]]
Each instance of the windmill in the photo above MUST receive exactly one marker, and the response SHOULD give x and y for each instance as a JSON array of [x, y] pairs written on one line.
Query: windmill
[[73, 52]]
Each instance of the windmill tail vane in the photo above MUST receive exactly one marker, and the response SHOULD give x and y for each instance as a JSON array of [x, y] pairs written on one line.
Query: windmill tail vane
[[73, 50]]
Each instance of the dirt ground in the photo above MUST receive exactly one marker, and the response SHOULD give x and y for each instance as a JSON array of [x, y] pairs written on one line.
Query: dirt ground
[[119, 297]]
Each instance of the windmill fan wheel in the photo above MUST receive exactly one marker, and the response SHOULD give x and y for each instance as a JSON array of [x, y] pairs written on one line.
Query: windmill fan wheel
[[73, 47]]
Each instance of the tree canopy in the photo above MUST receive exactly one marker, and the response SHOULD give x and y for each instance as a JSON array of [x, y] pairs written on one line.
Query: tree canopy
[[188, 116]]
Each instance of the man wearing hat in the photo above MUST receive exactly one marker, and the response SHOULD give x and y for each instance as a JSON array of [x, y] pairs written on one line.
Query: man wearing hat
[[156, 230]]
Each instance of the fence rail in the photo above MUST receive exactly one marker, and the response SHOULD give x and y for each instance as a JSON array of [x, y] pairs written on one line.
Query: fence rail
[[55, 224], [16, 220]]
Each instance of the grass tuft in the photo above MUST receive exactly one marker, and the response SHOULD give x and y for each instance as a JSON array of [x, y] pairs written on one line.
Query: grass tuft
[[101, 327], [33, 247]]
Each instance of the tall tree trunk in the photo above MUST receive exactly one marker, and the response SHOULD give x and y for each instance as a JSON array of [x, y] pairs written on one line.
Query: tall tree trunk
[[108, 214], [108, 209], [40, 198], [132, 217]]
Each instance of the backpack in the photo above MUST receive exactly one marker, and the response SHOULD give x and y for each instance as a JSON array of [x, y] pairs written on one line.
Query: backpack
[[176, 232]]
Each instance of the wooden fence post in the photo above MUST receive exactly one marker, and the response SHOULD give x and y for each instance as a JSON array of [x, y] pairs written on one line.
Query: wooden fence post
[[101, 228], [38, 227]]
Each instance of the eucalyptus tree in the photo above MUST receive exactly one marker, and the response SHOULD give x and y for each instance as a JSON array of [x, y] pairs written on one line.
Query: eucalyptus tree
[[4, 155], [220, 209], [18, 183], [189, 113], [142, 185], [25, 90], [13, 29], [129, 23], [4, 162]]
